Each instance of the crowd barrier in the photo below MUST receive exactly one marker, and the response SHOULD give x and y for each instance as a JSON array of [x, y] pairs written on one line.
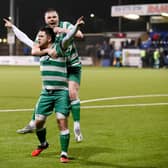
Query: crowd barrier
[[33, 61]]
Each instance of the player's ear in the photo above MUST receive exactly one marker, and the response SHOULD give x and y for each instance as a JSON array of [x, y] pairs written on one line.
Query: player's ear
[[49, 39]]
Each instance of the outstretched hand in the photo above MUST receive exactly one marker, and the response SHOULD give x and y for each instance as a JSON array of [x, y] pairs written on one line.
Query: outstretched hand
[[8, 23], [80, 21]]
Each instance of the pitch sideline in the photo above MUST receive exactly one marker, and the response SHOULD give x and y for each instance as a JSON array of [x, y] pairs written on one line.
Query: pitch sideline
[[108, 106]]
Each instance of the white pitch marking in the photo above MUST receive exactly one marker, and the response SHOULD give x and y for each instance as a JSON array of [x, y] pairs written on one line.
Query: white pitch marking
[[124, 105], [15, 110], [107, 106], [123, 97]]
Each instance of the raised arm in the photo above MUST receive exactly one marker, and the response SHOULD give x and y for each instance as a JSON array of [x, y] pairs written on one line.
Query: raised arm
[[78, 34], [19, 34], [71, 33]]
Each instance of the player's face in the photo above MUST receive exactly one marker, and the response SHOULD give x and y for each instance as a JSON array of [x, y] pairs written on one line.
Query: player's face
[[43, 39], [51, 19]]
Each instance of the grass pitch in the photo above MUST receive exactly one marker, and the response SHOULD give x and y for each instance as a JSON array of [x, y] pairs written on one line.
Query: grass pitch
[[124, 119]]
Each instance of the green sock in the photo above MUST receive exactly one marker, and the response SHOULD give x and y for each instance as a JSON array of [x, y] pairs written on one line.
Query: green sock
[[33, 115], [41, 134], [64, 140], [75, 109]]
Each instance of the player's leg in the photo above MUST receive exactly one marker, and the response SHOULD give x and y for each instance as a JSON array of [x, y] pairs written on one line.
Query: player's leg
[[44, 108], [30, 127], [64, 137], [62, 112], [75, 109], [41, 135]]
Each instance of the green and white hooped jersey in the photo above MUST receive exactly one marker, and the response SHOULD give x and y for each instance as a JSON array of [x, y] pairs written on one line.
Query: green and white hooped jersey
[[73, 59], [54, 73]]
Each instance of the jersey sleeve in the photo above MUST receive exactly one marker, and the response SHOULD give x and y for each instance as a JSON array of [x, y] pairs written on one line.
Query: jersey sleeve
[[22, 36], [73, 59], [66, 25]]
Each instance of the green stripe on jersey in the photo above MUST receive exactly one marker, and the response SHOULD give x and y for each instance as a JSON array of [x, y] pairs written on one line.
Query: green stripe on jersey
[[66, 25], [54, 73], [55, 83]]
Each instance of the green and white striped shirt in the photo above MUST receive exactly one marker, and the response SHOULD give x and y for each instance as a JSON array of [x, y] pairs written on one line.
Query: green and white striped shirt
[[54, 73]]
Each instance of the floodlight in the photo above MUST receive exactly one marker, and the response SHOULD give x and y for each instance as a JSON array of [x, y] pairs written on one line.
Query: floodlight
[[164, 14], [131, 16]]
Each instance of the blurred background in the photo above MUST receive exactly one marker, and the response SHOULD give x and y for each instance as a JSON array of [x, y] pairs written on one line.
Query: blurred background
[[111, 38]]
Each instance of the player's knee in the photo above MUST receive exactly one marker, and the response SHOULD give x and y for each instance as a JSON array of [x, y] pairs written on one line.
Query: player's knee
[[73, 90], [73, 94], [60, 116], [62, 121], [40, 121], [40, 117]]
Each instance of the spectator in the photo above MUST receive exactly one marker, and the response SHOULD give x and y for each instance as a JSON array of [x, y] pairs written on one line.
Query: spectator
[[98, 54], [156, 57], [117, 58], [143, 57]]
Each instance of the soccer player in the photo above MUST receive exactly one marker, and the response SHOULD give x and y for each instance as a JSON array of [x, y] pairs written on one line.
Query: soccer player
[[54, 94], [74, 67]]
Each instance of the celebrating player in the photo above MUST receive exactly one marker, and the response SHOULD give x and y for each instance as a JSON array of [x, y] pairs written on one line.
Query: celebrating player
[[74, 67]]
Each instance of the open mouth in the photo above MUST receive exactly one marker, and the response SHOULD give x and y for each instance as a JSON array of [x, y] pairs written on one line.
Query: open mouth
[[52, 24]]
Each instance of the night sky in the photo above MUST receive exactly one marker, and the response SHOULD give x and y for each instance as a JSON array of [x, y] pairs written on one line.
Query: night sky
[[29, 13]]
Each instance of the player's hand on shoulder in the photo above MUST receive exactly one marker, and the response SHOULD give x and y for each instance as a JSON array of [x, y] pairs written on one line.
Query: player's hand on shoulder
[[52, 53], [59, 30]]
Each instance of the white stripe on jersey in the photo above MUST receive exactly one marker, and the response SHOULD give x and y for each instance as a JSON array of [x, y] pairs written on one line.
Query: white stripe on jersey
[[70, 26], [77, 63], [53, 68], [59, 59], [52, 78], [44, 58], [49, 87]]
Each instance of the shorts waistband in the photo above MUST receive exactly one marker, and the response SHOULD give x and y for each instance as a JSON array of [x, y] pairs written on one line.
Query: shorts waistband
[[50, 91]]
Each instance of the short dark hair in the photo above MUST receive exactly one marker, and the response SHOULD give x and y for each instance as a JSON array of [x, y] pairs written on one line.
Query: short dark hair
[[51, 10], [49, 31]]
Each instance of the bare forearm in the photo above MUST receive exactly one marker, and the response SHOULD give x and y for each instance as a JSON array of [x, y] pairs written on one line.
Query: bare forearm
[[79, 34], [71, 34], [38, 52]]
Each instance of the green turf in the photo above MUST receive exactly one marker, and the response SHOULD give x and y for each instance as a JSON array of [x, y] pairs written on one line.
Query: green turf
[[114, 137]]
